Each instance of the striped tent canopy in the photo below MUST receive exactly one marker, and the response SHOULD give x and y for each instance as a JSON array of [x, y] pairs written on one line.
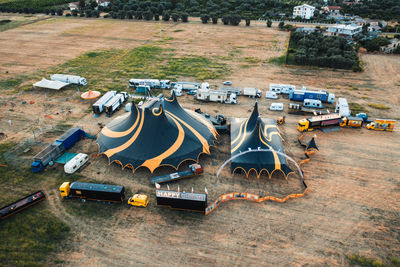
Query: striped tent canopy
[[90, 94], [255, 133], [159, 133]]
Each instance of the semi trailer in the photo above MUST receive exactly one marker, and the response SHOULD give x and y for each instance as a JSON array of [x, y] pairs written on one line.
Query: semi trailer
[[301, 95], [194, 169], [21, 204], [115, 103], [98, 106], [320, 121], [90, 191], [252, 92], [73, 79], [182, 200], [53, 151], [281, 88], [231, 90], [216, 96], [187, 86], [297, 109]]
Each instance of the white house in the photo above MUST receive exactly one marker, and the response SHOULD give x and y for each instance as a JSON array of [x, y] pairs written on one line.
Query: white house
[[374, 28], [73, 6], [304, 11], [394, 43], [332, 10], [103, 3], [344, 30]]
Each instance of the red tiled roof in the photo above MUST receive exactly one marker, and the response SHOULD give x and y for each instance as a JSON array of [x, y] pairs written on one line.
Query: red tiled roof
[[334, 7]]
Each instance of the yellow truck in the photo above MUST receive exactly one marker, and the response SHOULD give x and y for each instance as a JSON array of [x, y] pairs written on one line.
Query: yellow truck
[[327, 120], [354, 122], [138, 200], [381, 125]]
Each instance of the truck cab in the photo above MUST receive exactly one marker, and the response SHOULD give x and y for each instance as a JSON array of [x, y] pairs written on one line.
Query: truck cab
[[138, 200], [232, 99], [64, 190], [196, 168], [36, 166], [303, 125]]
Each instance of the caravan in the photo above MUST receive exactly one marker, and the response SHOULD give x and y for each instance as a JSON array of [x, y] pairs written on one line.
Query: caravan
[[75, 163], [281, 88], [312, 103]]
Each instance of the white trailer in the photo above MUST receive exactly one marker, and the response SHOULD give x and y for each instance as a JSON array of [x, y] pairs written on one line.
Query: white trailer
[[165, 84], [312, 103], [153, 83], [115, 103], [342, 107], [75, 163], [74, 79], [216, 96], [205, 86], [252, 92], [231, 90], [188, 86], [281, 88], [98, 107]]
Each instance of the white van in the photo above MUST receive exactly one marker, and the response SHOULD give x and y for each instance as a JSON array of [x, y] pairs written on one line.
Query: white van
[[271, 95], [276, 106], [75, 163], [312, 103]]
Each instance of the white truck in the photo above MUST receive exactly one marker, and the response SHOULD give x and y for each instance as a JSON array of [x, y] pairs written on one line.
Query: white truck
[[187, 86], [115, 103], [73, 79], [342, 107], [281, 88], [152, 83], [216, 96], [98, 107], [252, 92]]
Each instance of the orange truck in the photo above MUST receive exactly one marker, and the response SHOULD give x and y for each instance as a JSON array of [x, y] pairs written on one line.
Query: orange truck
[[381, 125]]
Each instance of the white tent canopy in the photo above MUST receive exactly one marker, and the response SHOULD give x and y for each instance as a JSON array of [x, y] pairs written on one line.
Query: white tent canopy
[[44, 83]]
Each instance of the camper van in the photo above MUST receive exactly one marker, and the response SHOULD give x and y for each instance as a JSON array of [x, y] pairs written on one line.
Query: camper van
[[75, 163], [271, 95], [312, 103], [342, 107], [276, 106]]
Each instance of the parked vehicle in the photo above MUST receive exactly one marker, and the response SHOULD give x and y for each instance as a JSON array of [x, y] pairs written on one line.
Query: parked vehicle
[[281, 88], [382, 125], [252, 92], [231, 90], [98, 107], [354, 122], [73, 79], [178, 90], [21, 204], [194, 169], [53, 151], [228, 83], [297, 109], [191, 92], [205, 86], [363, 116], [342, 107], [320, 121], [75, 163], [216, 96], [271, 95], [186, 86], [115, 103], [219, 121], [90, 191], [138, 200], [301, 95], [276, 106], [152, 83], [311, 103]]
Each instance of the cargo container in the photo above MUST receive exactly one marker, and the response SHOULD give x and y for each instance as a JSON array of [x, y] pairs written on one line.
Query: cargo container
[[182, 200], [21, 204], [98, 107], [310, 124], [301, 95], [90, 191], [115, 103]]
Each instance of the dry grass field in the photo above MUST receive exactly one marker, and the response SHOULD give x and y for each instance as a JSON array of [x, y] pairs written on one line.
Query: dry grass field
[[351, 208]]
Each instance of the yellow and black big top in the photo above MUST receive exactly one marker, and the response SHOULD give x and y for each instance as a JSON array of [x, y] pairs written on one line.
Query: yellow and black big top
[[254, 134], [159, 133]]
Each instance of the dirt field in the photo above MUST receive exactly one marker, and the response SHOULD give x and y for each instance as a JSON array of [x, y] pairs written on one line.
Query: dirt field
[[354, 188]]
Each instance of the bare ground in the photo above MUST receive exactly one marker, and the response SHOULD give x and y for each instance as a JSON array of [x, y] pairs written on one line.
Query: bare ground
[[351, 206]]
